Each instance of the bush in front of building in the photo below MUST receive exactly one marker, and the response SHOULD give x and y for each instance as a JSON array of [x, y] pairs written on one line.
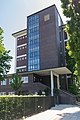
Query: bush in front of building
[[47, 91], [17, 107], [73, 89]]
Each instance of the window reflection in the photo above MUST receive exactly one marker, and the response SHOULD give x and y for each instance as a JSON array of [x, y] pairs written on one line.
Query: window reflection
[[33, 43]]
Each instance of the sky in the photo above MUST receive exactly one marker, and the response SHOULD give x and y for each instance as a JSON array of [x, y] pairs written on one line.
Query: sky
[[13, 18]]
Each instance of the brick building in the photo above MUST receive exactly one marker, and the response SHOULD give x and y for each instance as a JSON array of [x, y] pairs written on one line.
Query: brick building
[[40, 52]]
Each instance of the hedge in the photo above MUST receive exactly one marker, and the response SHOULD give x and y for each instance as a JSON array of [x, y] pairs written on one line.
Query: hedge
[[15, 107]]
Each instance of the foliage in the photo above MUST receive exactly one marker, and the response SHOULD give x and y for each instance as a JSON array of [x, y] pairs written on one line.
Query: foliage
[[47, 91], [16, 82], [15, 107], [4, 58], [71, 9], [2, 49], [39, 92], [73, 89], [70, 64]]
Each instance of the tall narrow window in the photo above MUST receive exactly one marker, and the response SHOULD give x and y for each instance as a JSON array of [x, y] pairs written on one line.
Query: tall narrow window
[[33, 43]]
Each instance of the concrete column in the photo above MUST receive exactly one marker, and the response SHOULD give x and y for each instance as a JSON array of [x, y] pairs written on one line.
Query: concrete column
[[52, 83], [58, 84]]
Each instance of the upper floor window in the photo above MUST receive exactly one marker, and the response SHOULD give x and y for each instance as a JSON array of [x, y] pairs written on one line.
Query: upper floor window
[[33, 43], [65, 35]]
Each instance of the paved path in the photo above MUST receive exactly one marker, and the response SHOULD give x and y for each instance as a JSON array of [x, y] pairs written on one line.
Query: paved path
[[59, 112]]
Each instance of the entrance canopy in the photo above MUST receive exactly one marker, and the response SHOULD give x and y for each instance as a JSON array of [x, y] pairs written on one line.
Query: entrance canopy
[[51, 72], [56, 71]]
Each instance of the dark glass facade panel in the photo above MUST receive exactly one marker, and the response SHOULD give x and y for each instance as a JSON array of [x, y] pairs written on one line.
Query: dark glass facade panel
[[33, 43], [65, 35], [60, 36]]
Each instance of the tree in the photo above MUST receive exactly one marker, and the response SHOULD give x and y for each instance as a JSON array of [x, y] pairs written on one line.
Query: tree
[[16, 82], [70, 64], [71, 9], [4, 58]]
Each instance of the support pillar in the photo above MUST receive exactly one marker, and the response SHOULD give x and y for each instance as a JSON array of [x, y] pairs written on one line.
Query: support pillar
[[52, 83], [58, 84]]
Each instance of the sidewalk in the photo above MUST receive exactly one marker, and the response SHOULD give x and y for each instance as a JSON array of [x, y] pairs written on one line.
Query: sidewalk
[[59, 112]]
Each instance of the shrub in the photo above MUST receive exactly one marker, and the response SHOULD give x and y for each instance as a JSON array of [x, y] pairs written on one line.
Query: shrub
[[40, 92], [73, 89], [47, 91], [15, 107]]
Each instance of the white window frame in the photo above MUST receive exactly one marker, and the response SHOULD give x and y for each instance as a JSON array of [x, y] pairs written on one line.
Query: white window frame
[[25, 79], [3, 82]]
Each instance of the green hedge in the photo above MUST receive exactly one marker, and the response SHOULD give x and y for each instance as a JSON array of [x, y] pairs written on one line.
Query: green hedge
[[15, 107]]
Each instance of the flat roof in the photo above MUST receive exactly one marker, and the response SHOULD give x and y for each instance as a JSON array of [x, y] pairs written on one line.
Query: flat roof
[[45, 9], [42, 10], [21, 32]]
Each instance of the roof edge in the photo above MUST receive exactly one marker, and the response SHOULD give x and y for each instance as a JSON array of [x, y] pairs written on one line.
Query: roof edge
[[21, 32]]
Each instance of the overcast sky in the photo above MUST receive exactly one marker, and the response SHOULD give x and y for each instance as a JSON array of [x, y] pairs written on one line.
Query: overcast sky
[[13, 18]]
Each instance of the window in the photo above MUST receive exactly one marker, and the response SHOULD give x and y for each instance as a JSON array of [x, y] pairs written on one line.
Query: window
[[22, 58], [60, 36], [65, 43], [11, 93], [47, 17], [10, 81], [25, 69], [23, 47], [3, 82], [22, 70], [17, 48], [20, 48], [25, 58], [25, 79], [19, 70], [33, 43], [65, 35], [2, 93]]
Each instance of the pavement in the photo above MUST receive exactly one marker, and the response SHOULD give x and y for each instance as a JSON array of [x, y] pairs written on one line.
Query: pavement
[[59, 112]]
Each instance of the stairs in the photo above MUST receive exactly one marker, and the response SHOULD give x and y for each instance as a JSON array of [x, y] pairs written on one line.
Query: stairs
[[66, 97]]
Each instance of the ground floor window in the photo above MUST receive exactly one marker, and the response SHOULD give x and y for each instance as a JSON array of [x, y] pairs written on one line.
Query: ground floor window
[[25, 79]]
